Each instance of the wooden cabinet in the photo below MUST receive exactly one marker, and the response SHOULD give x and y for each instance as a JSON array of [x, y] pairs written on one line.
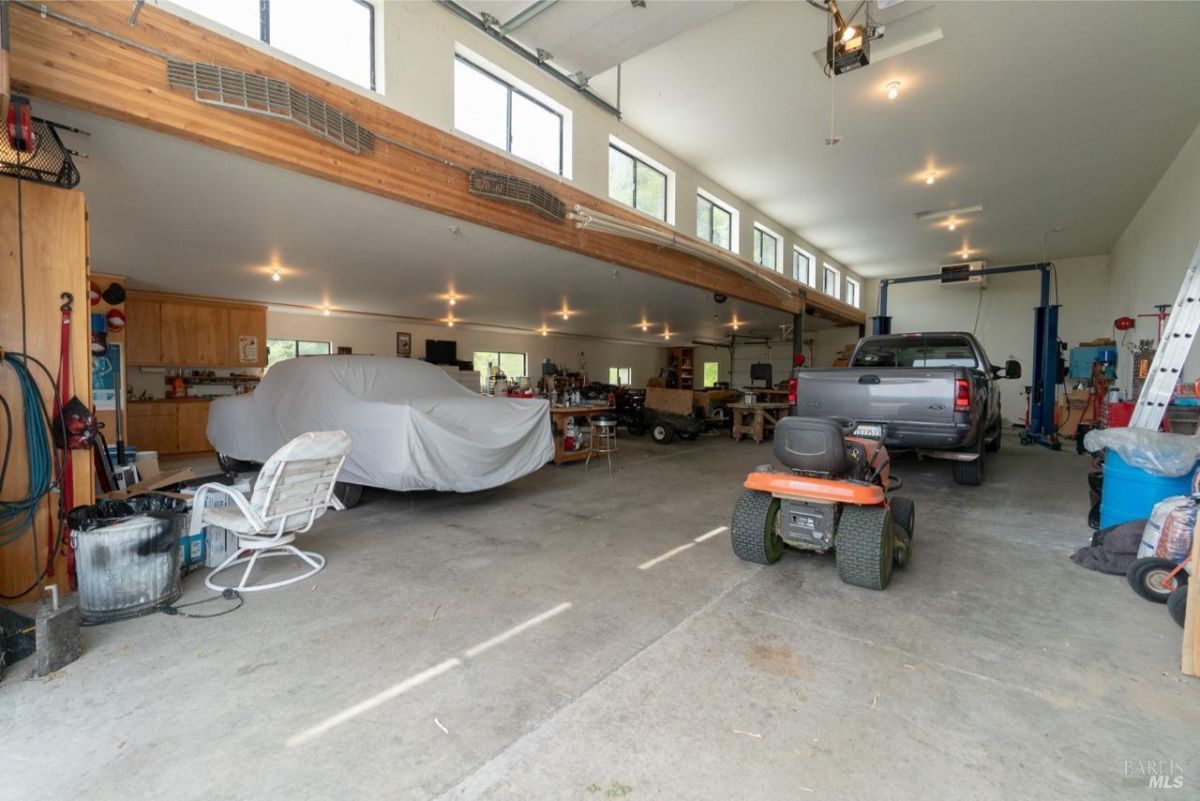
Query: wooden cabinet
[[176, 331], [193, 424], [681, 367], [248, 336], [169, 427], [143, 342]]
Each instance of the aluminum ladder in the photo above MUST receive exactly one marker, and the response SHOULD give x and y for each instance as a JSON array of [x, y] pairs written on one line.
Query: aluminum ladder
[[1177, 339]]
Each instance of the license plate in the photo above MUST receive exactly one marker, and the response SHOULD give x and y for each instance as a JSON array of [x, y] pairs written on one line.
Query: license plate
[[869, 430]]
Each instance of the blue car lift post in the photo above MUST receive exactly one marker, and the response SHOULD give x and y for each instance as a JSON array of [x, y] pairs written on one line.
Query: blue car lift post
[[1041, 428]]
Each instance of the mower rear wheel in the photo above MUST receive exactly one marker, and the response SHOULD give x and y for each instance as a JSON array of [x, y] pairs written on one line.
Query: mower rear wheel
[[1177, 603], [1148, 578], [904, 514], [754, 530], [865, 546]]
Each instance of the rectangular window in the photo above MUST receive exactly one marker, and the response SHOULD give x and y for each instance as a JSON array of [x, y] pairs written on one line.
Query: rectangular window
[[853, 292], [512, 365], [712, 374], [802, 267], [338, 38], [766, 248], [831, 281], [714, 222], [621, 376], [635, 183], [507, 118], [279, 350]]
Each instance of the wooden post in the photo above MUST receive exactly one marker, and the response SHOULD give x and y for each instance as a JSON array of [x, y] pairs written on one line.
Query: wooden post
[[1191, 624]]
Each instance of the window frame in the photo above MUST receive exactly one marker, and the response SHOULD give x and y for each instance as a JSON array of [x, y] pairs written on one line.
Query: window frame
[[264, 36], [642, 162], [483, 378], [508, 133], [849, 282], [628, 371], [837, 280], [296, 342], [810, 278], [761, 231], [704, 372], [702, 196]]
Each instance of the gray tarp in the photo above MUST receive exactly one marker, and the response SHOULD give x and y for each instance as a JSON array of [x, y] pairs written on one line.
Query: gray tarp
[[414, 427]]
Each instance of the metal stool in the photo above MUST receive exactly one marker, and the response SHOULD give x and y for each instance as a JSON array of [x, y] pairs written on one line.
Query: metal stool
[[604, 439]]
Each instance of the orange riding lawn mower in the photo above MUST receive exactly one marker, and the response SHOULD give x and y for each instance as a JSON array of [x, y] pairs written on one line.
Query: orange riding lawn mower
[[835, 495]]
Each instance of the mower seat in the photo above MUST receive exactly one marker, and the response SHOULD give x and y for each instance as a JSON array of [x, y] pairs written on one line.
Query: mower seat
[[812, 445]]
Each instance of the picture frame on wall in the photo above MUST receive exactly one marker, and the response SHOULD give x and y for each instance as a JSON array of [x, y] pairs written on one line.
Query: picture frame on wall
[[403, 344]]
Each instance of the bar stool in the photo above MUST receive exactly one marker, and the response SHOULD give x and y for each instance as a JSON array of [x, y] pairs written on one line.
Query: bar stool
[[604, 439]]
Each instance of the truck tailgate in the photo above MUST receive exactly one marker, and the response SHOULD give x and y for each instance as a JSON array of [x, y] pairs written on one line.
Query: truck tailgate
[[918, 395]]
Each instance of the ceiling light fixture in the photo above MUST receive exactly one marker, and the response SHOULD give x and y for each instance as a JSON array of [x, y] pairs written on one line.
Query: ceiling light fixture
[[893, 90], [645, 325], [325, 311], [966, 254], [544, 329], [276, 276], [952, 225], [453, 300], [736, 323], [930, 177], [666, 332], [942, 214]]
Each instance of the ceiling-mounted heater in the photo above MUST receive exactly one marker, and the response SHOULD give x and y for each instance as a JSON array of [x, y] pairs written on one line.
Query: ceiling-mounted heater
[[963, 273]]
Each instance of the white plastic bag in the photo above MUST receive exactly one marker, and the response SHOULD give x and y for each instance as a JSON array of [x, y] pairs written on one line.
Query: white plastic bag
[[1160, 454]]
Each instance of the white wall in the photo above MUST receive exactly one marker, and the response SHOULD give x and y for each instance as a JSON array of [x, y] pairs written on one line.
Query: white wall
[[1148, 262], [419, 41], [1005, 309], [377, 336]]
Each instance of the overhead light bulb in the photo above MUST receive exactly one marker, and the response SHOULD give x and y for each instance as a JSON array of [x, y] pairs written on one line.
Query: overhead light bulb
[[965, 254], [736, 324], [450, 323], [276, 276], [893, 89], [930, 177], [453, 300], [645, 325], [325, 312], [566, 315], [545, 330], [849, 33], [952, 225]]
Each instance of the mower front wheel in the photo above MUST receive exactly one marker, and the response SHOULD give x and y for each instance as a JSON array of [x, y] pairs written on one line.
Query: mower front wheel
[[1148, 578], [865, 546], [754, 530], [904, 514]]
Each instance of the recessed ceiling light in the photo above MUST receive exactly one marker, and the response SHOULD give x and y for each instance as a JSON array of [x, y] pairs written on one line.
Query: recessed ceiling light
[[736, 323], [966, 254], [325, 311], [545, 330], [951, 225], [276, 276], [893, 89], [453, 300], [930, 177]]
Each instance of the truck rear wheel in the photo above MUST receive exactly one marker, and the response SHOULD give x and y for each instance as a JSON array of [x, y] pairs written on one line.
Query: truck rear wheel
[[754, 530], [971, 473], [865, 546]]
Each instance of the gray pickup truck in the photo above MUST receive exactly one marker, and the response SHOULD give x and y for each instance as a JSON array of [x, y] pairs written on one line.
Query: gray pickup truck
[[934, 393]]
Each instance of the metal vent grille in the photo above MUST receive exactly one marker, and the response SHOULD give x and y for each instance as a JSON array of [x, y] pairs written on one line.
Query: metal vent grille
[[502, 186], [49, 163], [257, 94]]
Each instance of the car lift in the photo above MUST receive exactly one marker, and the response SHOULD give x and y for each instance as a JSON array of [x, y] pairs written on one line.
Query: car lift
[[1041, 428]]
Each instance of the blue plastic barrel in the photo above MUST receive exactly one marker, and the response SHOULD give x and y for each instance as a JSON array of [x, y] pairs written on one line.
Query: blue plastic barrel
[[1130, 492]]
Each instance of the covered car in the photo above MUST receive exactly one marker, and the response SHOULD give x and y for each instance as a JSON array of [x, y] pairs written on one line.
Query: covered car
[[414, 427]]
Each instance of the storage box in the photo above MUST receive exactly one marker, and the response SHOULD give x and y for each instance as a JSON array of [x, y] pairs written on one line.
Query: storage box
[[214, 543]]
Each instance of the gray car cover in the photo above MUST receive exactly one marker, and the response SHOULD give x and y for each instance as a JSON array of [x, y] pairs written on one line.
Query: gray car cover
[[414, 427]]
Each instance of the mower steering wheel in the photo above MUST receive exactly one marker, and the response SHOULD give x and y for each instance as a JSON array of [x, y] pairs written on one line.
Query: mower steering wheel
[[846, 423]]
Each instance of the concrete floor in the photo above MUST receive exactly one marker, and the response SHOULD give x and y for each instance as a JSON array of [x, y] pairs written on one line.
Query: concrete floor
[[506, 645]]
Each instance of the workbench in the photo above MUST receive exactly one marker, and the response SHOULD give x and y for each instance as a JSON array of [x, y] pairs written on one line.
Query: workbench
[[558, 427], [763, 416], [766, 394]]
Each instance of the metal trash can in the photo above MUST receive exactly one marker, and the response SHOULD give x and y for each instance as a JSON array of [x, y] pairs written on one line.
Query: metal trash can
[[127, 555]]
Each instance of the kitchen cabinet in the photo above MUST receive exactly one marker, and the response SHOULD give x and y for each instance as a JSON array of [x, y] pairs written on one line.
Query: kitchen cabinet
[[169, 427], [143, 342], [193, 425], [176, 331]]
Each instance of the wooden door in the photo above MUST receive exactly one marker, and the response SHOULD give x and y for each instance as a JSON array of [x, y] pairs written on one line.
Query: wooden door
[[193, 425], [247, 321], [154, 427], [143, 337]]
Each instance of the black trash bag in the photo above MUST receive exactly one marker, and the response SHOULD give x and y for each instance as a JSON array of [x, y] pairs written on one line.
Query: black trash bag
[[110, 512]]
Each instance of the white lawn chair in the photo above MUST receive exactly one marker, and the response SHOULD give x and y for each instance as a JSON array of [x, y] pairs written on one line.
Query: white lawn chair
[[292, 490]]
